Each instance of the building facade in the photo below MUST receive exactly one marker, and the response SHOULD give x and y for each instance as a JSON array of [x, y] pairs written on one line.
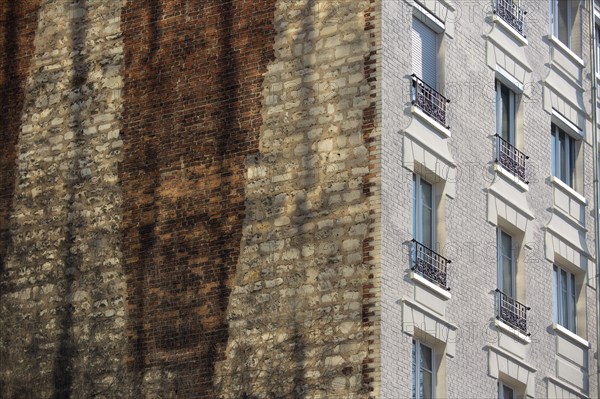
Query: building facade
[[297, 199], [487, 162]]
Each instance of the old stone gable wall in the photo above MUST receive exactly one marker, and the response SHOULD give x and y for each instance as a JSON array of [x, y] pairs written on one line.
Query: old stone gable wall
[[188, 199]]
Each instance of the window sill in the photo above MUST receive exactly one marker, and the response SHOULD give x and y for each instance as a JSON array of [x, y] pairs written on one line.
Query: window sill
[[512, 331], [510, 177], [438, 127], [571, 336], [512, 31], [445, 295], [570, 192], [567, 51]]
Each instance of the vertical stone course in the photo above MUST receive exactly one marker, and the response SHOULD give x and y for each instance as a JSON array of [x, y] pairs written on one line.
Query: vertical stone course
[[296, 312], [63, 291]]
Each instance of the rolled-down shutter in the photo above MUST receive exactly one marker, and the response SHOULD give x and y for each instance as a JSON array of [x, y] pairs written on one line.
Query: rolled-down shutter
[[424, 47]]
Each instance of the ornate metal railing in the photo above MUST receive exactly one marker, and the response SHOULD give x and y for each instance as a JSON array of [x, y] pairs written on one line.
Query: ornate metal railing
[[429, 264], [511, 159], [429, 101], [511, 312], [512, 14]]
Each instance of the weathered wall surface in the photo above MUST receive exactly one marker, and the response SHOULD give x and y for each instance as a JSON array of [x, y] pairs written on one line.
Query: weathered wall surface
[[17, 31], [188, 199], [194, 72], [62, 311], [296, 313]]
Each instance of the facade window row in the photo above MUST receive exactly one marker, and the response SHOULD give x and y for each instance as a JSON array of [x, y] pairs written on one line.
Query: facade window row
[[427, 95]]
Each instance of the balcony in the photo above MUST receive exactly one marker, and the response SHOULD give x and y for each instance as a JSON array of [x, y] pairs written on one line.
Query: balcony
[[430, 265], [511, 312], [429, 101], [511, 159], [512, 14]]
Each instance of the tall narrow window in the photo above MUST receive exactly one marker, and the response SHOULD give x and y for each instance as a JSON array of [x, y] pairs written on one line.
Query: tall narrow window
[[505, 113], [423, 212], [506, 264], [565, 299], [505, 392], [564, 154], [566, 24], [424, 47], [597, 39], [422, 371]]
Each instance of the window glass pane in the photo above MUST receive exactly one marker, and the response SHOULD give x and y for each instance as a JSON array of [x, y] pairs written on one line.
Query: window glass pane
[[562, 16], [507, 277], [427, 214], [597, 49], [572, 303], [415, 207], [506, 242], [414, 370], [507, 392], [506, 264], [427, 385], [562, 174], [426, 358], [553, 152], [555, 295], [505, 113], [571, 166], [563, 298]]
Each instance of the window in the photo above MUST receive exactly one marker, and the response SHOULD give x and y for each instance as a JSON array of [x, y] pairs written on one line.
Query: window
[[424, 47], [565, 299], [422, 371], [597, 39], [566, 25], [506, 264], [564, 155], [505, 392], [423, 212], [505, 113]]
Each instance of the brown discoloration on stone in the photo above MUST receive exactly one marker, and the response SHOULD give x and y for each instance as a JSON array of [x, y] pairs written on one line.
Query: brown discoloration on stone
[[192, 115]]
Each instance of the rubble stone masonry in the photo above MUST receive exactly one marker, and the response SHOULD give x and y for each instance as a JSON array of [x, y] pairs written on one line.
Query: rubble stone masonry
[[189, 199]]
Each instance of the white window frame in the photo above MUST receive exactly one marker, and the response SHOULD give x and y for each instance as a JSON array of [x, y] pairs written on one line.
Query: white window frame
[[571, 156], [500, 265], [570, 287], [418, 211], [416, 370], [501, 387], [511, 112]]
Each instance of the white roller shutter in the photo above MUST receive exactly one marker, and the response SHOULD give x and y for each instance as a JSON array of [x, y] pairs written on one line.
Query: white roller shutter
[[424, 47]]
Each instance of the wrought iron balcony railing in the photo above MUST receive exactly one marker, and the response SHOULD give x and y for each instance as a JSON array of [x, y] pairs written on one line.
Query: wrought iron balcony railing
[[429, 101], [511, 159], [511, 312], [512, 14], [429, 264]]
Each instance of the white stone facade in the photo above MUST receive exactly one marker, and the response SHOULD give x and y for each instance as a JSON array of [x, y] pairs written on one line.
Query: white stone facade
[[474, 196]]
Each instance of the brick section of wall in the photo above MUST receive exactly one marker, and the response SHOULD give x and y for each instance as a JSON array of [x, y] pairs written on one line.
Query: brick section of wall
[[194, 73], [371, 290], [17, 31], [62, 298]]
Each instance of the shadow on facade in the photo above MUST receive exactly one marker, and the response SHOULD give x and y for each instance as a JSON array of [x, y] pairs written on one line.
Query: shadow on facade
[[186, 137], [67, 349]]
